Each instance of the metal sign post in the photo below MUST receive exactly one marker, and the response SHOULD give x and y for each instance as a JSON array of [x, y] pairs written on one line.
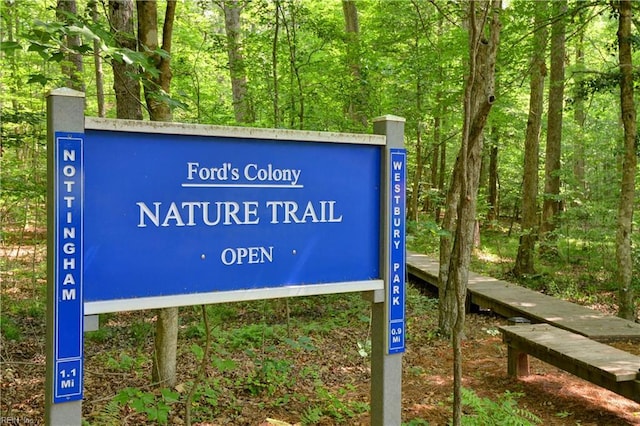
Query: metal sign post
[[388, 310], [64, 373]]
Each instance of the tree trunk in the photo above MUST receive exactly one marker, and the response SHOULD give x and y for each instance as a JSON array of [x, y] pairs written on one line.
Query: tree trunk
[[439, 158], [97, 62], [551, 205], [163, 371], [289, 31], [446, 296], [72, 67], [528, 236], [295, 79], [479, 97], [430, 201], [417, 177], [492, 198], [624, 255], [239, 88], [126, 87], [156, 89], [356, 105], [274, 65], [579, 114], [442, 168], [459, 219]]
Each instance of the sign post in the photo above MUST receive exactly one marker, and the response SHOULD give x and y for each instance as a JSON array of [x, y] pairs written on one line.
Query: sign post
[[388, 310], [64, 371]]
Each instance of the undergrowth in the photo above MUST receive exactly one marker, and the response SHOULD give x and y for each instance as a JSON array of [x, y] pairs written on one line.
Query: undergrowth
[[503, 412], [573, 265]]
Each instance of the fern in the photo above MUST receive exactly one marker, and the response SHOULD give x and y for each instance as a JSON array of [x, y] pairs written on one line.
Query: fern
[[109, 415], [504, 412]]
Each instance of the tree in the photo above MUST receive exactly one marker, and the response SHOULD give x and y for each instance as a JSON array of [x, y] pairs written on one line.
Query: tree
[[579, 112], [237, 70], [412, 208], [156, 91], [438, 164], [290, 25], [356, 108], [417, 112], [274, 64], [524, 261], [125, 85], [459, 220], [97, 61], [492, 193], [484, 33], [156, 84], [72, 66], [551, 204], [624, 257]]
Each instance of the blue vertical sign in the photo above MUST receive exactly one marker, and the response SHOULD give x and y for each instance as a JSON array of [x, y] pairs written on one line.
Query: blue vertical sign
[[397, 255], [69, 229]]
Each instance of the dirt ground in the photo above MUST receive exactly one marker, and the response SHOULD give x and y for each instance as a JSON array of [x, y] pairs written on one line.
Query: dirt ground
[[554, 396]]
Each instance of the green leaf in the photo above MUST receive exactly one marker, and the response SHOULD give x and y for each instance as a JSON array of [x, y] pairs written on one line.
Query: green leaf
[[126, 59], [162, 53], [152, 412], [224, 365], [162, 417], [197, 351], [48, 27], [38, 78], [57, 57], [125, 395], [9, 46], [37, 47], [169, 395], [148, 398], [84, 48], [83, 31]]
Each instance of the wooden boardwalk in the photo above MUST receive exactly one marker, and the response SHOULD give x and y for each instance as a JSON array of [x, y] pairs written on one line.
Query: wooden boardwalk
[[593, 361], [511, 300]]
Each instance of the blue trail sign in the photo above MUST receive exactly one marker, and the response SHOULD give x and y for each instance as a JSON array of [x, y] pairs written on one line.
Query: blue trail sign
[[171, 215], [397, 258], [68, 280]]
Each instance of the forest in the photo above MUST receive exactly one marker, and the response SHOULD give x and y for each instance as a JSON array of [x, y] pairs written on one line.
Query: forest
[[521, 133]]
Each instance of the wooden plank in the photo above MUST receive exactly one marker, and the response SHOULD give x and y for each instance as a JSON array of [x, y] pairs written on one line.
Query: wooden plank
[[595, 362], [541, 308], [509, 300], [568, 350], [423, 267]]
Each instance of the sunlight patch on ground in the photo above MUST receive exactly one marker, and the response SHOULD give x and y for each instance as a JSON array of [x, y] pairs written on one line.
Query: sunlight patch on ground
[[490, 257], [436, 380], [481, 279], [8, 253], [575, 388]]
